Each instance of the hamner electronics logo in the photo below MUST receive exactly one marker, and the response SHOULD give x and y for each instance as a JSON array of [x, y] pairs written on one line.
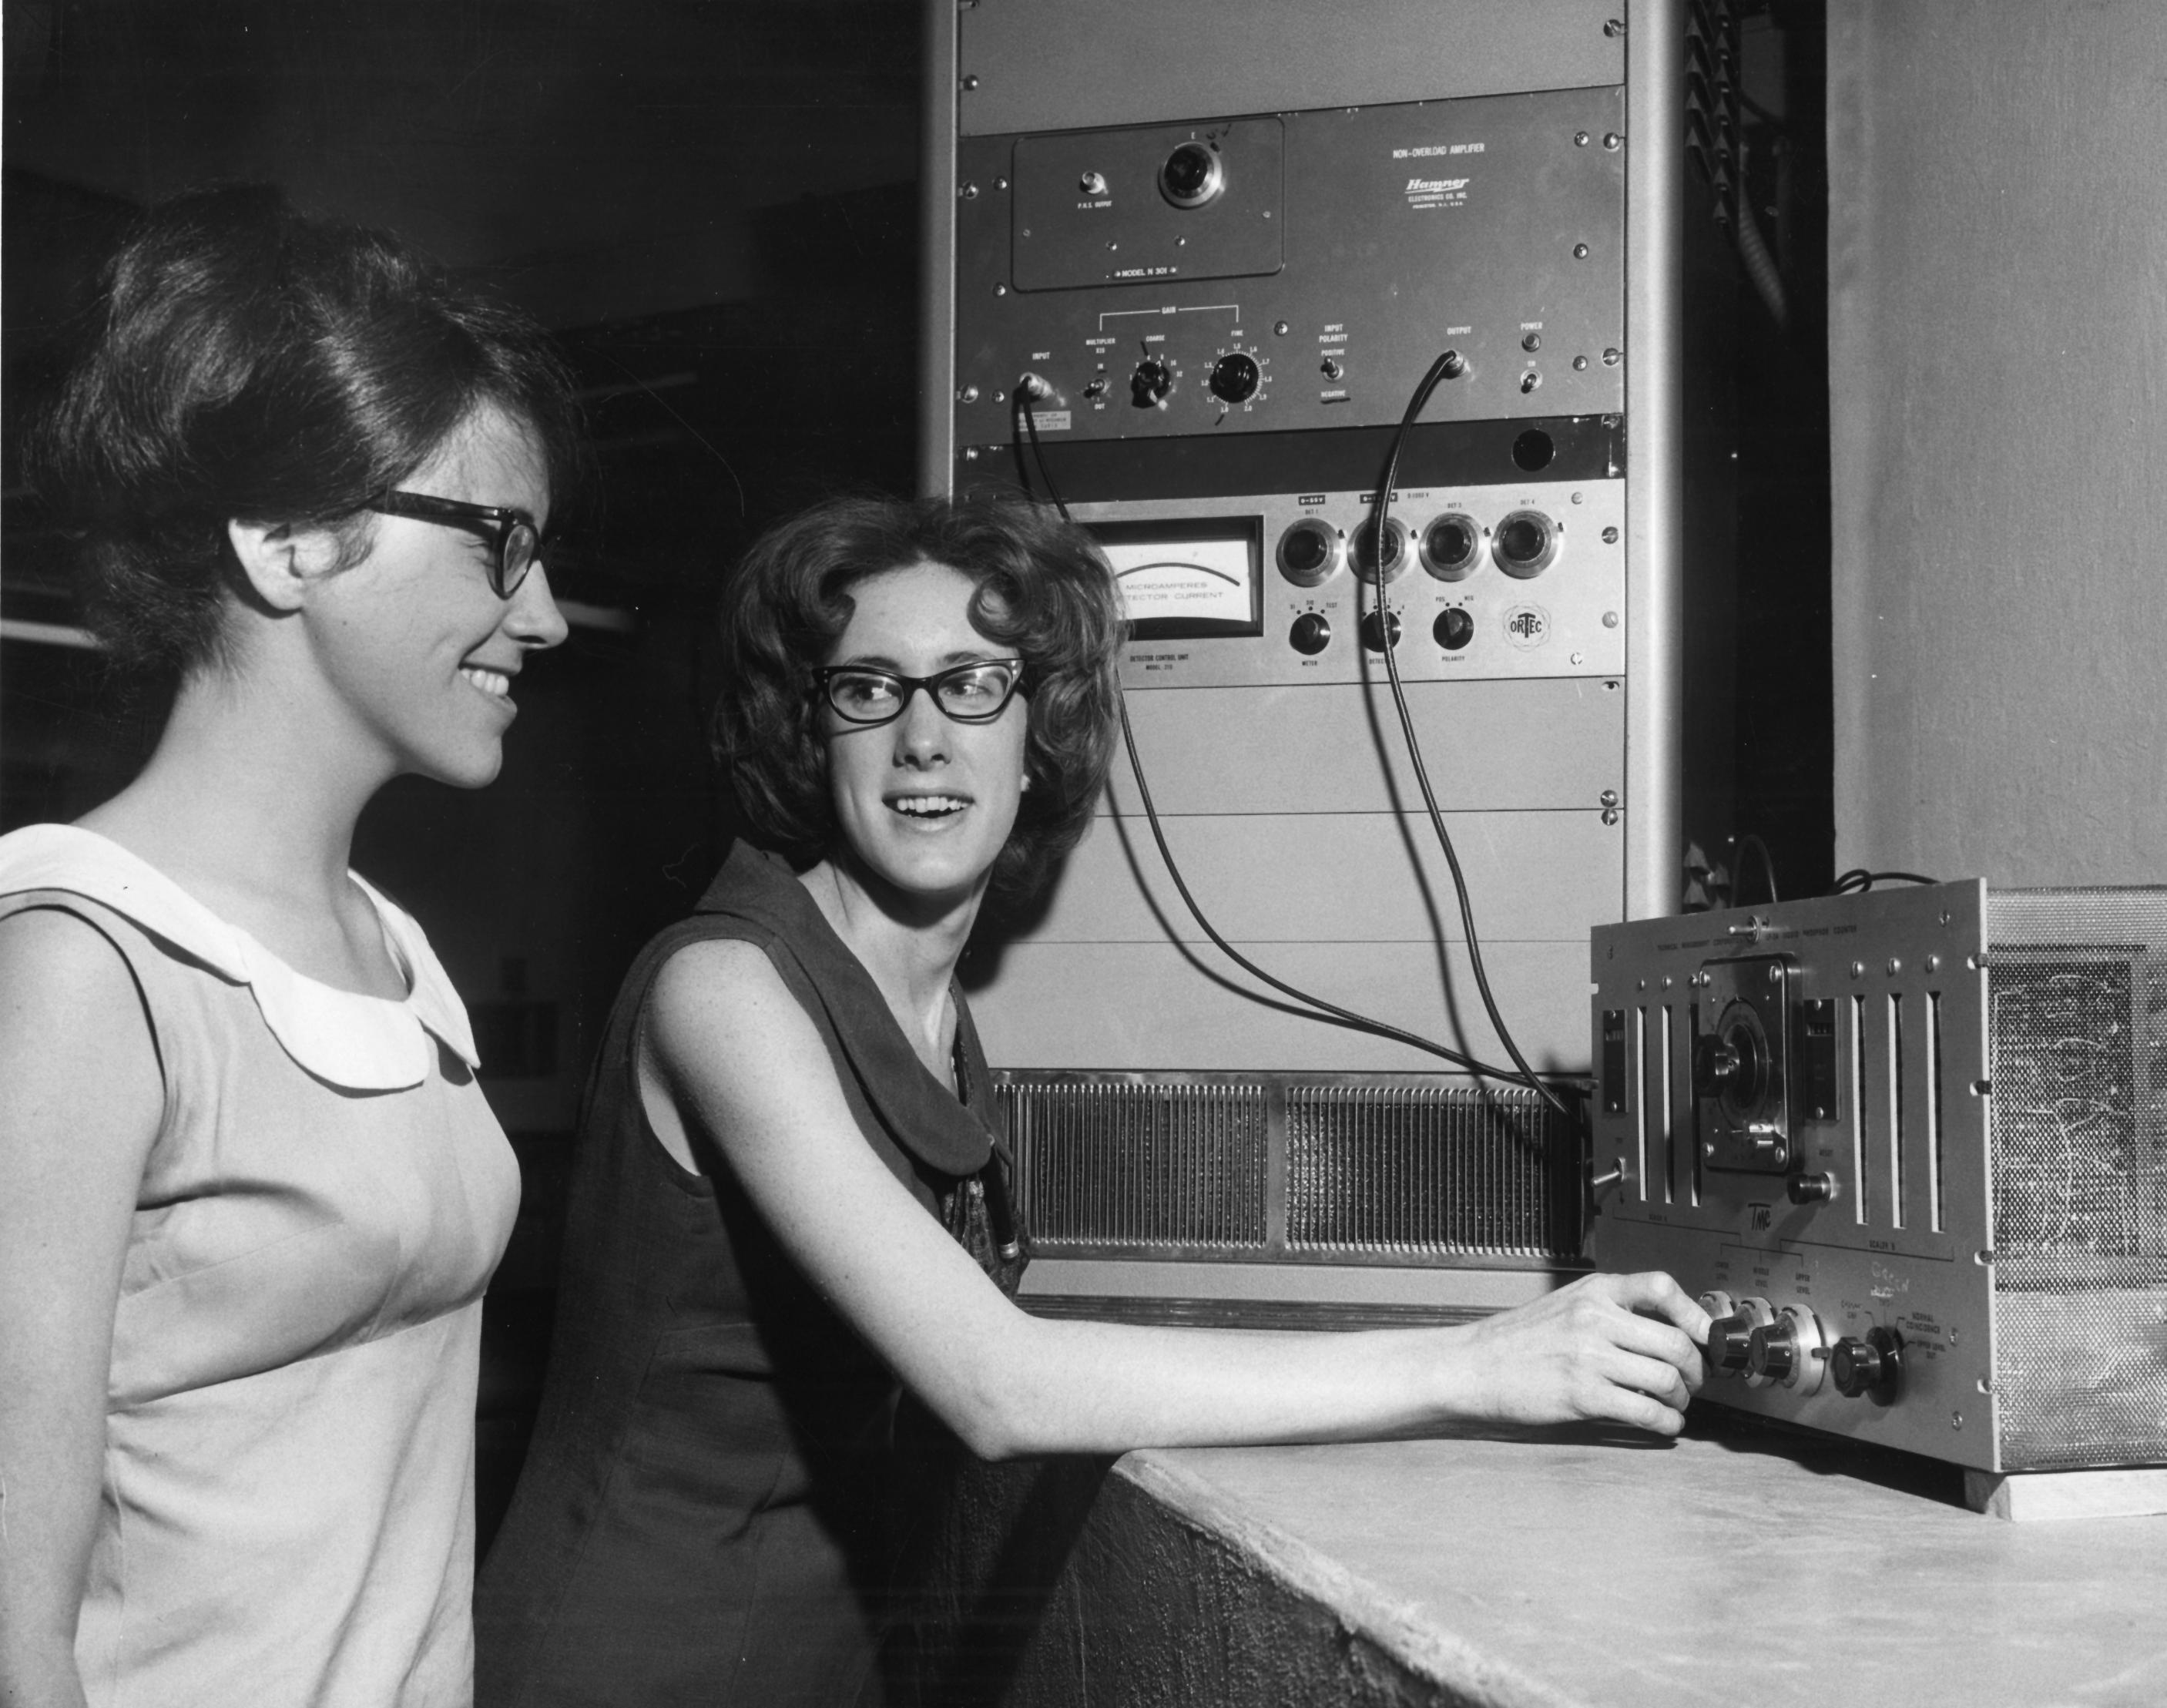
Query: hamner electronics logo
[[1435, 186]]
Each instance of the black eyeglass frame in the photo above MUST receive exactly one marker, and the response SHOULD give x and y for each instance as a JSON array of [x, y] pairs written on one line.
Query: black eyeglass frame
[[824, 677], [498, 524]]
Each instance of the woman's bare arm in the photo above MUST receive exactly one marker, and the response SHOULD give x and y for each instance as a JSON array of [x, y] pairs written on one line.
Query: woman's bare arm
[[731, 1048], [80, 1103]]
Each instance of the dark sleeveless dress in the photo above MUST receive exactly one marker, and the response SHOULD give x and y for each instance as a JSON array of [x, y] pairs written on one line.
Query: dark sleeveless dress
[[721, 1482]]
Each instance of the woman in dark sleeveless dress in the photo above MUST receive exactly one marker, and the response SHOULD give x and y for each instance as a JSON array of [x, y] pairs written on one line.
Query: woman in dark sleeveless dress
[[788, 1197]]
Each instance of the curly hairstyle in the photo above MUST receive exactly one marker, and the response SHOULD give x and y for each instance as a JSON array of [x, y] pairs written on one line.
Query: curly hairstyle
[[243, 362], [1043, 587]]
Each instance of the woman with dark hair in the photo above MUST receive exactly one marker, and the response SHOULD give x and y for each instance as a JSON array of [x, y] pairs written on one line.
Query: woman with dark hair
[[250, 1192], [790, 1194]]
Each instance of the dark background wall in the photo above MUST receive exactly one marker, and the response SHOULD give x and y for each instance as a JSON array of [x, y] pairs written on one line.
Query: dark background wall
[[712, 202]]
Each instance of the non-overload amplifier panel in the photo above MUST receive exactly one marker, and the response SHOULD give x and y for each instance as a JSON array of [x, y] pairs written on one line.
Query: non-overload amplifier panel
[[1293, 272]]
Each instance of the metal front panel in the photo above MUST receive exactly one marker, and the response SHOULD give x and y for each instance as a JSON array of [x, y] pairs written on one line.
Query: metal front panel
[[1049, 65], [1169, 1005], [1982, 1080], [1565, 619], [1895, 1248], [1480, 224]]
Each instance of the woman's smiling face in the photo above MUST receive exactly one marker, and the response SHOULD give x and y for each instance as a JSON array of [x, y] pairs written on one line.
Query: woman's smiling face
[[924, 802], [417, 648]]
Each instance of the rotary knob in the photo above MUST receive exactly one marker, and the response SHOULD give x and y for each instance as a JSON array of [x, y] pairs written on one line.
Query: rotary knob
[[1235, 377], [1730, 1344], [1866, 1368], [1372, 633], [1453, 628], [1310, 633], [1772, 1354], [1151, 382]]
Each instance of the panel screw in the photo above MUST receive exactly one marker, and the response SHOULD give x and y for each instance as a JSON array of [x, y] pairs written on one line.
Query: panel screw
[[1580, 251], [1610, 536], [1612, 356], [1895, 966], [1608, 798], [1580, 139], [969, 193], [969, 394], [1953, 1337], [970, 81], [1280, 327], [1579, 364], [1614, 27], [1982, 1258], [1612, 142], [1956, 1420], [1932, 965], [1708, 1149], [1858, 970], [1610, 815], [1000, 397], [1610, 620], [1000, 183], [970, 454], [1000, 290], [1775, 975]]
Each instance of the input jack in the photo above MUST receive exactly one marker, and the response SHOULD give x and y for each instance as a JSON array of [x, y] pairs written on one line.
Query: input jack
[[1525, 545], [1452, 546]]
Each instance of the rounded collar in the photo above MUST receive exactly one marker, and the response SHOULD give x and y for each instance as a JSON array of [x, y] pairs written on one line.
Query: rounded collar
[[354, 1040]]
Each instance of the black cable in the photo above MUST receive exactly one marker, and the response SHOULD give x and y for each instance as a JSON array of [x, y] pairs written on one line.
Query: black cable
[[1379, 513], [1858, 880], [1023, 390], [1767, 868], [1345, 1016]]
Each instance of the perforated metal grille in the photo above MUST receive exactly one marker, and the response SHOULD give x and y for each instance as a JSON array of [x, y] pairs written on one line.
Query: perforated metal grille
[[1165, 1164], [1418, 1169], [2078, 1037]]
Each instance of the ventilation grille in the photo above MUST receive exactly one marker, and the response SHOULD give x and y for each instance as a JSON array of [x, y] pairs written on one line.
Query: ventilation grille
[[1381, 1168], [2078, 1025], [1425, 1169], [1126, 1163]]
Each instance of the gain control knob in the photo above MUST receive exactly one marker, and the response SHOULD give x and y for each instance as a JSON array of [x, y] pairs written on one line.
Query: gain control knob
[[1235, 377], [1310, 633], [1870, 1368], [1149, 384], [1453, 628], [1371, 632]]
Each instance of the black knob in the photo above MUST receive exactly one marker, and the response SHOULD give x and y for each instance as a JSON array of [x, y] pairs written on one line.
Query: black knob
[[1869, 1367], [1772, 1352], [1149, 384], [1370, 632], [1310, 633], [1235, 378], [1811, 1189], [1730, 1342], [1454, 628]]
